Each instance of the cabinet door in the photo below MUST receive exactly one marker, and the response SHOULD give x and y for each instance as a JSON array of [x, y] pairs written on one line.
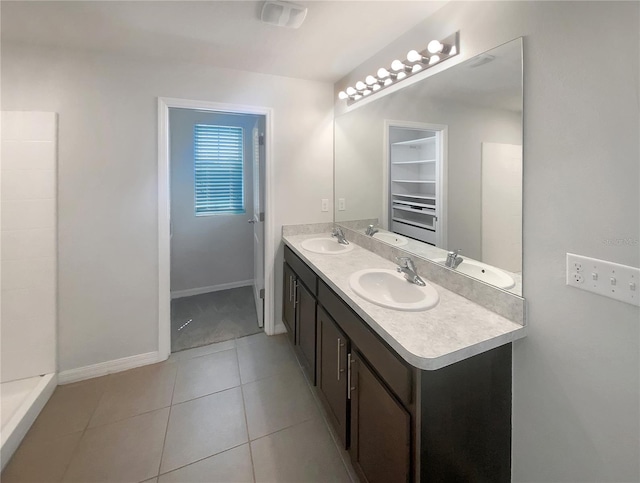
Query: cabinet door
[[288, 301], [380, 428], [332, 371], [306, 330]]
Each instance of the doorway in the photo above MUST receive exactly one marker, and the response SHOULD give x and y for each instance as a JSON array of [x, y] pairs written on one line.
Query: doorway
[[213, 279], [415, 181], [215, 216]]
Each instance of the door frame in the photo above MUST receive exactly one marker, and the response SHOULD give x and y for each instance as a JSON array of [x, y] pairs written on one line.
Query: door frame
[[164, 212], [443, 173]]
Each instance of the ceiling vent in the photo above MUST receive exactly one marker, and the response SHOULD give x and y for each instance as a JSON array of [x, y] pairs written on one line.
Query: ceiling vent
[[283, 14]]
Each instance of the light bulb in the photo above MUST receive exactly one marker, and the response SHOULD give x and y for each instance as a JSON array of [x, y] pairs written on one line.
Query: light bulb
[[416, 68], [414, 56], [402, 75], [434, 59], [360, 86], [367, 92], [376, 87], [382, 73], [435, 47], [453, 51], [356, 97], [370, 80], [343, 95], [388, 81], [351, 91], [397, 65]]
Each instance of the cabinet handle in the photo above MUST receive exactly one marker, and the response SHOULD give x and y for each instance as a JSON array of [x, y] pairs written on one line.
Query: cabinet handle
[[290, 287], [340, 345], [349, 362], [295, 293]]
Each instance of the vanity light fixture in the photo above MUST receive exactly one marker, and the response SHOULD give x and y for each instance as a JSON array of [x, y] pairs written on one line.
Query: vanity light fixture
[[437, 51], [398, 66], [415, 56]]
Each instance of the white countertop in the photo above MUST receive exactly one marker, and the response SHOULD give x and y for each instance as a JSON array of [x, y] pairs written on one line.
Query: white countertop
[[454, 330]]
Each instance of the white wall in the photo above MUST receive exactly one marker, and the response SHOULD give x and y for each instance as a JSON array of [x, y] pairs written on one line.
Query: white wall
[[207, 251], [29, 278], [576, 375], [108, 233]]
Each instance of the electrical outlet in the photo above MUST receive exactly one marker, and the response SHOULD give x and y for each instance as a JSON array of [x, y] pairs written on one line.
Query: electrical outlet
[[578, 278], [325, 204], [342, 204], [619, 282]]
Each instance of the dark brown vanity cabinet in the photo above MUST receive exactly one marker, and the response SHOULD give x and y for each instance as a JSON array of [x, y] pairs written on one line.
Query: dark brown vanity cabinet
[[380, 447], [333, 372], [399, 423], [299, 310], [288, 302]]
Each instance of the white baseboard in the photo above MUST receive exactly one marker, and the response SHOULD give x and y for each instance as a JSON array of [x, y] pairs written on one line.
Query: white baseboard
[[212, 288], [108, 367]]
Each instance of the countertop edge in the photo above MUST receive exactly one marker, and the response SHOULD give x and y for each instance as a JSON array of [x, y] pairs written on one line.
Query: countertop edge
[[416, 361]]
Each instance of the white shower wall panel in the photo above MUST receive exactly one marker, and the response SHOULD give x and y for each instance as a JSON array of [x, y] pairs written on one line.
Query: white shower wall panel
[[28, 247]]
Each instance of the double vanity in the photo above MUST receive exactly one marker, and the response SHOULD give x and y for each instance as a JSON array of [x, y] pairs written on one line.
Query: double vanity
[[416, 380], [404, 320]]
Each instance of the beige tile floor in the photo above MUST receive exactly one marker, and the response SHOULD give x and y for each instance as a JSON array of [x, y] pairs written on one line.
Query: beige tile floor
[[237, 411]]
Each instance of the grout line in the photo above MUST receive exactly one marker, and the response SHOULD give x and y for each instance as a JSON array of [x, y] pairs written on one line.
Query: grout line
[[199, 460], [86, 426], [175, 381], [185, 358], [287, 427], [246, 421], [166, 431], [128, 417], [206, 395]]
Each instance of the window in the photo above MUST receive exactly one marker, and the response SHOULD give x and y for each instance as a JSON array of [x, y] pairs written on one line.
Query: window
[[219, 173]]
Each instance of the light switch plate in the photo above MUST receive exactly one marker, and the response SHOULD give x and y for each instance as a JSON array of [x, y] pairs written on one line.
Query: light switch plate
[[619, 282]]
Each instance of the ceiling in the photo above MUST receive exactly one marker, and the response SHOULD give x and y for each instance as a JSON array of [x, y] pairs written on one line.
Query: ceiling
[[336, 36]]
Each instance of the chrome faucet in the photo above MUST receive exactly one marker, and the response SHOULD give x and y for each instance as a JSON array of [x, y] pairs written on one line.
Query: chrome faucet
[[406, 266], [339, 234], [371, 230], [453, 259]]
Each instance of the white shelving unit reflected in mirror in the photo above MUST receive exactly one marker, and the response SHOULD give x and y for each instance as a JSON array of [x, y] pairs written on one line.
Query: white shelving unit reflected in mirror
[[416, 182]]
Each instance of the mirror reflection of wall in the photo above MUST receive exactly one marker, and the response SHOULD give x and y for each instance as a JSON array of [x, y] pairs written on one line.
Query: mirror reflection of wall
[[477, 107]]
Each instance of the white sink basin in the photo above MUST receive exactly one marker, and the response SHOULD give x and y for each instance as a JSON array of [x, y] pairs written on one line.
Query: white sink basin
[[390, 289], [391, 238], [325, 245], [483, 272]]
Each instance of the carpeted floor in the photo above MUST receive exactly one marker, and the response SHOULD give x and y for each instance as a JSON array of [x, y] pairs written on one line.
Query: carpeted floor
[[212, 317]]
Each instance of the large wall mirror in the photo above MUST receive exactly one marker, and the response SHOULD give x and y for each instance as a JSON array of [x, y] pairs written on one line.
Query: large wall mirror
[[437, 167]]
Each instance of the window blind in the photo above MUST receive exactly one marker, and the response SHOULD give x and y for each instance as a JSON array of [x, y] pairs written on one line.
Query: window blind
[[218, 163]]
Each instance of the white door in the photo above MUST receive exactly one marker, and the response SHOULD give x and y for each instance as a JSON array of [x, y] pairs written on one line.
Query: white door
[[502, 206], [258, 222]]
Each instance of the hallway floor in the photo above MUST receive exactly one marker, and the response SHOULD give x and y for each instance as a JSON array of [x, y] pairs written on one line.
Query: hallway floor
[[213, 317], [238, 411]]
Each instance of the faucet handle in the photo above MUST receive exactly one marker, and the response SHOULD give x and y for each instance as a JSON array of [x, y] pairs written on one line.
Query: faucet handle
[[406, 262], [455, 252]]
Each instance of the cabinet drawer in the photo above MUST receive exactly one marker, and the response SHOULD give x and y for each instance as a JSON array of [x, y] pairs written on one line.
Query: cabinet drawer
[[391, 369], [302, 270]]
